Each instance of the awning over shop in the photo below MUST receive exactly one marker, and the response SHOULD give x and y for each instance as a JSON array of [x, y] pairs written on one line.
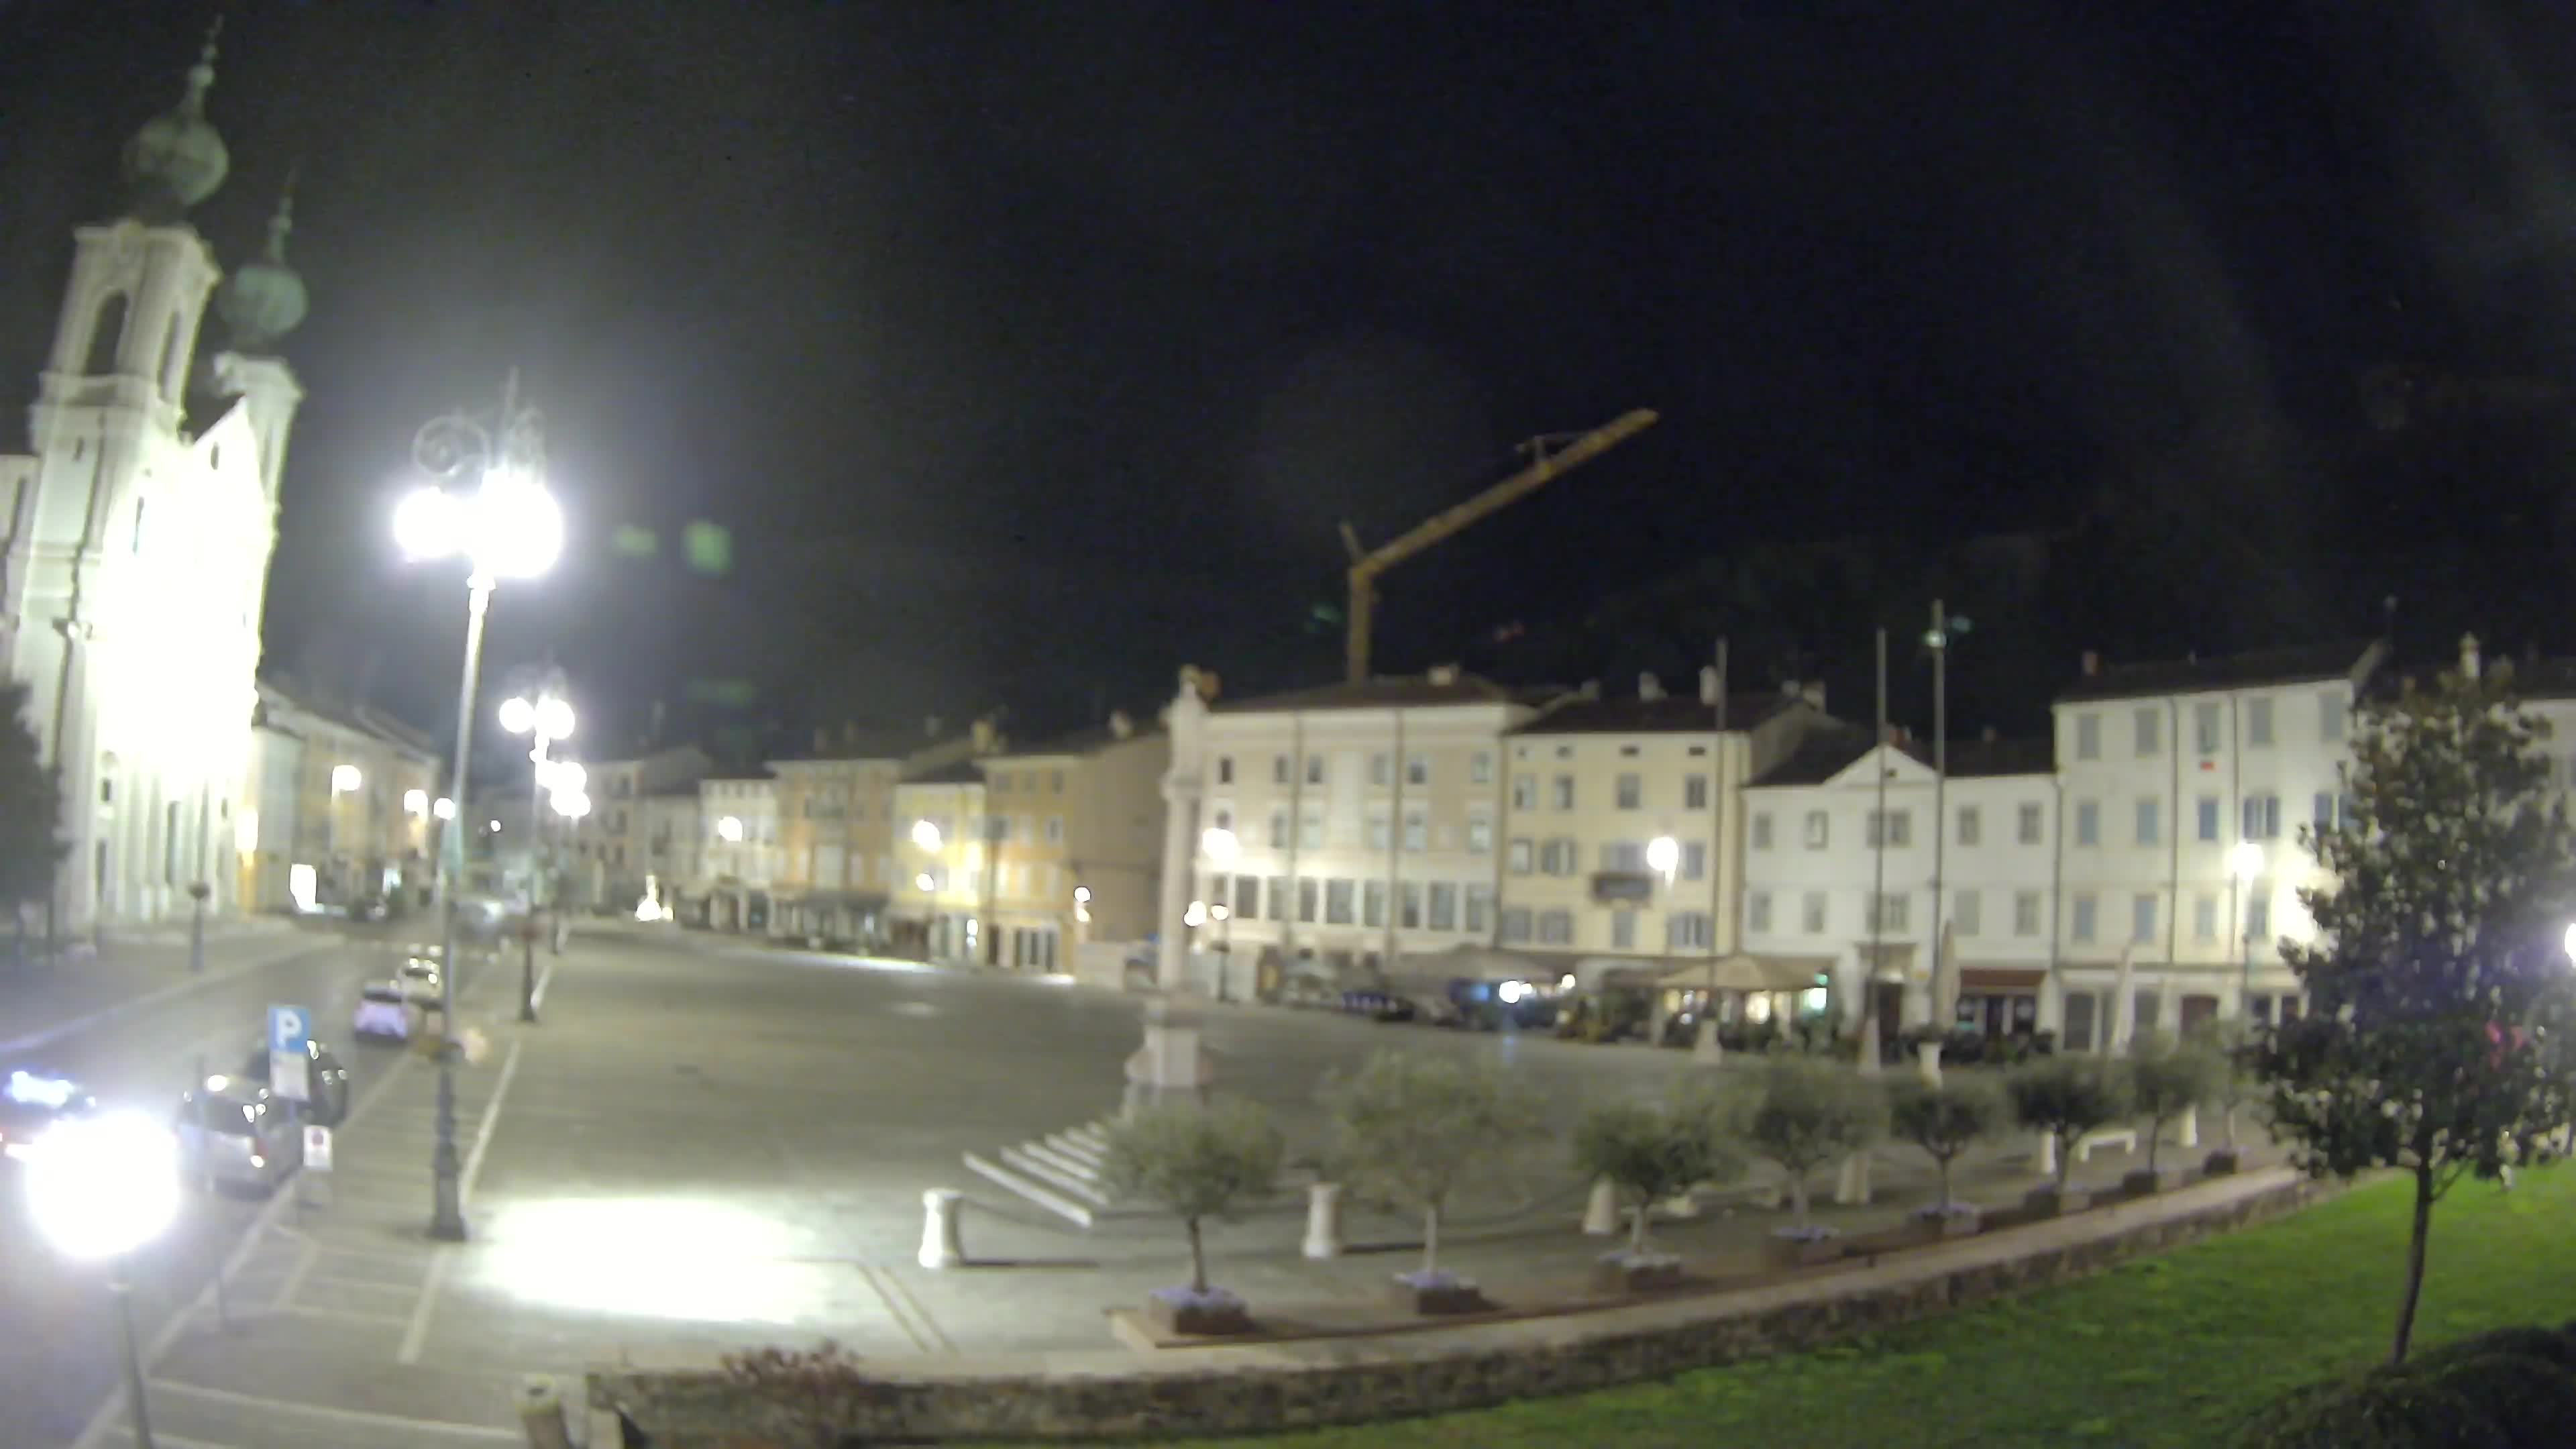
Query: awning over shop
[[1888, 961], [1474, 963], [1745, 972], [838, 900], [2006, 979]]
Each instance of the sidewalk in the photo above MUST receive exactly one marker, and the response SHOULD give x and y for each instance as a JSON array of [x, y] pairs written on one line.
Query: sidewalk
[[51, 998]]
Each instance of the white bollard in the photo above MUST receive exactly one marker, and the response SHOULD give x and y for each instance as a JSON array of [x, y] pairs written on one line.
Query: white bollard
[[1601, 1211], [941, 1244], [2046, 1165], [1927, 1060], [2187, 1128], [1707, 1051], [1852, 1186], [541, 1413], [1323, 1220]]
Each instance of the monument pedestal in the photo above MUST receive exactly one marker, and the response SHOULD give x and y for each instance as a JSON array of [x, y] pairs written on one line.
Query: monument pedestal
[[1172, 1065]]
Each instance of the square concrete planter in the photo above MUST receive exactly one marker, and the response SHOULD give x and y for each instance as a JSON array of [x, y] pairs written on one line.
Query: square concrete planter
[[1802, 1247], [2047, 1202], [1624, 1272], [2141, 1182], [1941, 1223], [1211, 1314], [1434, 1294], [2219, 1163]]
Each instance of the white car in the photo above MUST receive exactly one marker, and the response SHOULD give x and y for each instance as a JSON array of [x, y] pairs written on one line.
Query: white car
[[384, 1013]]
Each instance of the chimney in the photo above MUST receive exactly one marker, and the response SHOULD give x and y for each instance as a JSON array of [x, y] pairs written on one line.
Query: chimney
[[984, 736], [2469, 655], [1443, 675], [1708, 684], [1812, 691], [1121, 724], [2092, 664], [1649, 687]]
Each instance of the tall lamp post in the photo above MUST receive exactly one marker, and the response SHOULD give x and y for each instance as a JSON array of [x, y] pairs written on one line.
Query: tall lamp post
[[2244, 866], [509, 527]]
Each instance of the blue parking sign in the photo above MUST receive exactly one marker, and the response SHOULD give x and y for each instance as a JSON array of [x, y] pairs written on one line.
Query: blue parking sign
[[289, 1028]]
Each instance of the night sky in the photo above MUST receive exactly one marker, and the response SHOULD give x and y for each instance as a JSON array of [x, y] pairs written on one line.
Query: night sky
[[1028, 350]]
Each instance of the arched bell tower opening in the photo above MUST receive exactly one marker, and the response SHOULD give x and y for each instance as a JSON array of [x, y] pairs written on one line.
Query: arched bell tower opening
[[106, 335]]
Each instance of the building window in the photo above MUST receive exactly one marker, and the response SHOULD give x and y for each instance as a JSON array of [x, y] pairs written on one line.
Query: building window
[[1811, 913], [1517, 858], [1622, 855], [1247, 897], [1278, 830], [1559, 857], [1055, 830], [1381, 769], [1694, 860], [1310, 829], [2262, 817], [1632, 792], [1279, 768], [1898, 830], [2204, 917], [1524, 792], [1314, 769], [2088, 822], [1377, 832], [2205, 818], [1417, 833], [2085, 908], [1480, 834], [1409, 905], [2148, 725], [2258, 918], [138, 525], [2025, 913], [1689, 931], [1819, 828], [1515, 923], [1965, 911], [1885, 913], [1970, 827], [2030, 826], [1225, 769], [1623, 930], [2334, 811], [1278, 898], [1338, 897], [1565, 792], [2151, 822], [1695, 792], [1480, 907], [2142, 920], [1417, 769], [1444, 906], [2088, 737], [1306, 901], [1556, 928], [2330, 717], [1480, 768], [2204, 727], [1762, 831], [2258, 722], [1757, 912]]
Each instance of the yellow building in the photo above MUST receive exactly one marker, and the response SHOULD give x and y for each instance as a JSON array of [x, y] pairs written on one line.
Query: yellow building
[[1076, 826], [837, 839], [941, 895], [340, 807]]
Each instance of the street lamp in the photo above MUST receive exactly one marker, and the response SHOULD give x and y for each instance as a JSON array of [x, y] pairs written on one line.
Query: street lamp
[[1664, 856], [509, 527], [101, 1187], [443, 808], [729, 830], [926, 835], [2244, 866]]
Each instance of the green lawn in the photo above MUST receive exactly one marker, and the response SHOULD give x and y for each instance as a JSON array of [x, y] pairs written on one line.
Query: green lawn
[[2166, 1351]]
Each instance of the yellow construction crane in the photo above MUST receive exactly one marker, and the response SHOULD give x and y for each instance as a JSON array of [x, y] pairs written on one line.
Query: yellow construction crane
[[1571, 451]]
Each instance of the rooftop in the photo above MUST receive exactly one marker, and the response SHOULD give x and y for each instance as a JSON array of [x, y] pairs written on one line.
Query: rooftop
[[1080, 742], [955, 772], [361, 718], [1574, 715], [2305, 664], [1828, 753], [1389, 692]]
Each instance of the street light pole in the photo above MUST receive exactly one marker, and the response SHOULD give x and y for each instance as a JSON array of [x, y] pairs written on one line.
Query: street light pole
[[446, 1204], [120, 1287]]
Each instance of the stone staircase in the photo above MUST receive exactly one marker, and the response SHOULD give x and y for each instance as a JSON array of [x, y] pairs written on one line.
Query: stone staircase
[[1060, 1172]]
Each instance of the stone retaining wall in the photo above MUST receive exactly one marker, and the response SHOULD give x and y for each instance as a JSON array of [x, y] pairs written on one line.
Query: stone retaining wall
[[1255, 1388]]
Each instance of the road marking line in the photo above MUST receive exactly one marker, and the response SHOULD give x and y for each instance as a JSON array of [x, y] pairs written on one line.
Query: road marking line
[[162, 1440], [416, 1336], [356, 1418], [305, 1258], [946, 1344], [340, 1315], [364, 1286], [104, 1418], [128, 1007], [894, 1310]]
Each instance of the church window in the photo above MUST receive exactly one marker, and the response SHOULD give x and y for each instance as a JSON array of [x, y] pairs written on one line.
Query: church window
[[170, 843], [170, 357], [105, 333], [138, 525]]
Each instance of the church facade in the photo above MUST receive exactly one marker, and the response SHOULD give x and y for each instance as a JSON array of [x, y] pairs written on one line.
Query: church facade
[[139, 530]]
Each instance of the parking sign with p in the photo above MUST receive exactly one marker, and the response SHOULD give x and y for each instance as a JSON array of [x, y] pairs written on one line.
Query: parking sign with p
[[290, 1031]]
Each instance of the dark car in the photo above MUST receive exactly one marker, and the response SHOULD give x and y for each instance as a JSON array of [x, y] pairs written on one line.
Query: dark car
[[235, 1133], [31, 1101], [324, 1078]]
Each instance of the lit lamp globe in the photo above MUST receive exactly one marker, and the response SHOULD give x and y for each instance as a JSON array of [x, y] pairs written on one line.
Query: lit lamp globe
[[554, 718], [572, 806], [1220, 845], [729, 830], [1663, 855], [2571, 943], [101, 1187], [2245, 860], [517, 715], [925, 835]]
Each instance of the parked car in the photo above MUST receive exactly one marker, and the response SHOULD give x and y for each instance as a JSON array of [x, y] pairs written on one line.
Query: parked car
[[384, 1012], [236, 1134], [420, 975], [31, 1101], [325, 1080]]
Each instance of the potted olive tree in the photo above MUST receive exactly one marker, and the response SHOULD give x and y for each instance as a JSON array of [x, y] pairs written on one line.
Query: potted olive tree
[[1945, 1121], [2166, 1082], [1649, 1154], [1809, 1115], [2066, 1097], [1408, 1130], [1198, 1163]]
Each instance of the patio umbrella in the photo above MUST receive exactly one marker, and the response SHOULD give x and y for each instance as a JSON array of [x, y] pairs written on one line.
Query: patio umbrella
[[2124, 1002]]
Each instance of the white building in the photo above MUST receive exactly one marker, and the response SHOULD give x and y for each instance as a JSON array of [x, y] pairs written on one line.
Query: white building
[[140, 529], [1597, 790], [738, 853], [2185, 784], [1843, 879]]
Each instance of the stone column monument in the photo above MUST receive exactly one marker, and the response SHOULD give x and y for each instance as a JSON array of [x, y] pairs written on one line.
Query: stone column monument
[[1172, 1063]]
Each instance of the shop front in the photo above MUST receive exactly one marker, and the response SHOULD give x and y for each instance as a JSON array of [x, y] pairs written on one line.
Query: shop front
[[1999, 1001]]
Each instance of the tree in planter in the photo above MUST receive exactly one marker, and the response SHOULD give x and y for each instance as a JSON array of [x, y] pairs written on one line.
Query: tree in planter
[[31, 810], [2168, 1081], [1945, 1121], [1809, 1115], [2067, 1097], [1411, 1128], [1197, 1162], [2441, 1000], [1650, 1154]]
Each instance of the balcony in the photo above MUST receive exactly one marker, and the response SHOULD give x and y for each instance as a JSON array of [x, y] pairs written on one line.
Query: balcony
[[1631, 887]]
